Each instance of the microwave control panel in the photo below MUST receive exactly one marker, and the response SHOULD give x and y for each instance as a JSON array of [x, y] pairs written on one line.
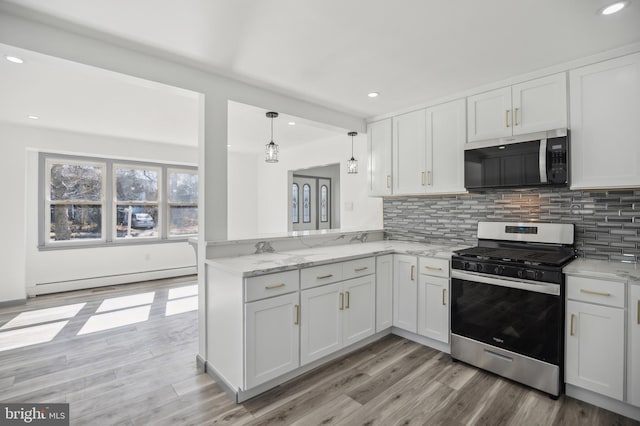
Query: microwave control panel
[[557, 160]]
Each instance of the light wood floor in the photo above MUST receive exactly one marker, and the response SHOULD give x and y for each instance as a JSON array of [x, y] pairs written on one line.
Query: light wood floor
[[145, 374]]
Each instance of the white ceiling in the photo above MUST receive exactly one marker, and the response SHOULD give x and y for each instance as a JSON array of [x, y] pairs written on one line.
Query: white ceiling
[[334, 52]]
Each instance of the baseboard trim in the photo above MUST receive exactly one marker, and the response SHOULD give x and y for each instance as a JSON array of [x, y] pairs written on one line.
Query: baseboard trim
[[201, 364], [86, 283], [602, 401], [16, 302]]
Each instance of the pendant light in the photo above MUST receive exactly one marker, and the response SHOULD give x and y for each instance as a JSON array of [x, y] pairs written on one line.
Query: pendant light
[[352, 164], [271, 147]]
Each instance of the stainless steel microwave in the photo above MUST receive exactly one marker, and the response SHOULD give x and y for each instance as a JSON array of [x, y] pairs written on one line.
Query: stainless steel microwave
[[537, 159]]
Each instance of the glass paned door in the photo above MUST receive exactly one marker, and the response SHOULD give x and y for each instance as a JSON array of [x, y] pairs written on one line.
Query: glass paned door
[[310, 203]]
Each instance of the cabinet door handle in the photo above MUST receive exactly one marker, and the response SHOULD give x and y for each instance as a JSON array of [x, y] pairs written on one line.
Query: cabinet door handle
[[444, 294], [296, 321], [388, 181], [433, 268], [423, 179], [595, 293], [506, 118], [341, 301], [638, 312], [515, 118], [413, 269], [274, 286], [429, 178], [324, 277], [347, 303], [571, 333]]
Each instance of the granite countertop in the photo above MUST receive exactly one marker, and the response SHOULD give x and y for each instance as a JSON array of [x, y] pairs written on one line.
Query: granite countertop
[[265, 263], [603, 269]]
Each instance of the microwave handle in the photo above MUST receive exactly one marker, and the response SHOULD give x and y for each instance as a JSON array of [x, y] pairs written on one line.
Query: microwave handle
[[543, 161]]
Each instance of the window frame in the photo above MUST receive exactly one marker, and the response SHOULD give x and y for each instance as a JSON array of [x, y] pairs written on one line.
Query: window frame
[[108, 201], [168, 203]]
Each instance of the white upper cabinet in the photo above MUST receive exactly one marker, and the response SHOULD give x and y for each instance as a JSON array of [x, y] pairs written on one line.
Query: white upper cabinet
[[380, 139], [605, 124], [409, 153], [533, 106]]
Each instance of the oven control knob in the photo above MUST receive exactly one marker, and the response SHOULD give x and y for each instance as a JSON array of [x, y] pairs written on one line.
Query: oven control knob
[[498, 269], [520, 273], [534, 275]]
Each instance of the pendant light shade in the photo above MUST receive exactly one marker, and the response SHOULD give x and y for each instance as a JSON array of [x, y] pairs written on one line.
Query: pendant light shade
[[271, 154], [352, 163]]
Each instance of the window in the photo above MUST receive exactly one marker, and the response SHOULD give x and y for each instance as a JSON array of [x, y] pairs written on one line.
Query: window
[[294, 200], [74, 201], [97, 201], [183, 202], [324, 217], [306, 203]]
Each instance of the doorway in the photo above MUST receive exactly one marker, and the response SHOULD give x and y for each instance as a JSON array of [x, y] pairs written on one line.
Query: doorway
[[313, 198]]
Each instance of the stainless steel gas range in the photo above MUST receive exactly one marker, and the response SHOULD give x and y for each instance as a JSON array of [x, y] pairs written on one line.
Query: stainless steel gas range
[[507, 302]]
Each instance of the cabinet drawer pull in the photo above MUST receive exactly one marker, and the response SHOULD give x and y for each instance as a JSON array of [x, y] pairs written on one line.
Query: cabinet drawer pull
[[515, 118], [361, 269], [297, 318], [347, 303], [595, 293], [341, 301], [433, 268], [324, 277], [444, 295], [506, 118], [413, 268], [571, 333], [388, 181], [274, 286]]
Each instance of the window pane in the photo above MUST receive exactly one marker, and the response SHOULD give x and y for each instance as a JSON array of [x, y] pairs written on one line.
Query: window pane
[[323, 204], [183, 187], [294, 200], [136, 221], [136, 184], [184, 220], [75, 182], [306, 206], [75, 222]]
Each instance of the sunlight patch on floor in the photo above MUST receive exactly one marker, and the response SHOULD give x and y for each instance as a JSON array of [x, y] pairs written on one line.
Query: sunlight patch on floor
[[40, 316], [115, 319], [180, 306], [179, 292], [28, 336], [126, 301]]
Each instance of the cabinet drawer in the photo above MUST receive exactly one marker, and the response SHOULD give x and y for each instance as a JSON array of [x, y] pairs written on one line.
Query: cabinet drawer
[[358, 268], [319, 275], [434, 267], [263, 286], [603, 292]]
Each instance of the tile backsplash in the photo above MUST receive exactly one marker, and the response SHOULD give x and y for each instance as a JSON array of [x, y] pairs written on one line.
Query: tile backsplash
[[607, 222]]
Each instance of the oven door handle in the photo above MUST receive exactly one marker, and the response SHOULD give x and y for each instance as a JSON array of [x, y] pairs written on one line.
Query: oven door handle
[[538, 287]]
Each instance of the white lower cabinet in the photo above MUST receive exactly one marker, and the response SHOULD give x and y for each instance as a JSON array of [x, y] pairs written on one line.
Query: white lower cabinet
[[384, 292], [433, 307], [405, 292], [595, 336], [336, 315], [271, 338], [633, 384]]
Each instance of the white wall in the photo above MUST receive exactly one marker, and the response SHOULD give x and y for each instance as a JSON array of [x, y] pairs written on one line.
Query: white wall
[[357, 210], [19, 164], [242, 195]]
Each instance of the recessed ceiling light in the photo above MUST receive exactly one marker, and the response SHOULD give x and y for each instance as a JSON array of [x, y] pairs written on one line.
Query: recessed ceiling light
[[33, 117], [292, 123], [613, 8], [373, 94], [14, 59]]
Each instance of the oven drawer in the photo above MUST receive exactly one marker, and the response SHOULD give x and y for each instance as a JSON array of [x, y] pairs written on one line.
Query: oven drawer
[[603, 292], [434, 267], [264, 286]]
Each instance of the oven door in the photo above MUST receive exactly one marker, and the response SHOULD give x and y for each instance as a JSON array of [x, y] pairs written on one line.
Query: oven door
[[521, 316]]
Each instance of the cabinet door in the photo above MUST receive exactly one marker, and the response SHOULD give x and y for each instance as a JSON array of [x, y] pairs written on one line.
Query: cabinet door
[[358, 316], [605, 106], [405, 292], [320, 322], [446, 129], [380, 137], [634, 345], [384, 292], [540, 105], [489, 115], [433, 307], [595, 348], [409, 145], [271, 338]]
